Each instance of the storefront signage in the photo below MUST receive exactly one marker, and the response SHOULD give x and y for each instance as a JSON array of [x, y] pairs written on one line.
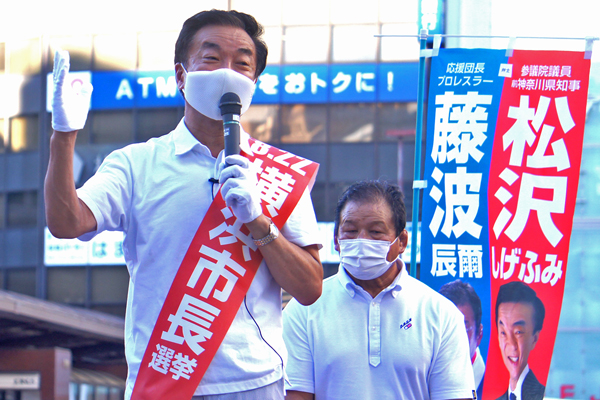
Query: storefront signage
[[104, 249], [20, 381], [107, 249], [288, 84]]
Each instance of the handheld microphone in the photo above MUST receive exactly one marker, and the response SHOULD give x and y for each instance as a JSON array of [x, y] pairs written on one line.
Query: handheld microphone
[[231, 108]]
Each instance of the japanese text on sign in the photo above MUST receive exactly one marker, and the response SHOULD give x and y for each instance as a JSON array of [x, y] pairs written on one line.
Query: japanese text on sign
[[461, 123], [529, 72], [518, 137], [463, 74]]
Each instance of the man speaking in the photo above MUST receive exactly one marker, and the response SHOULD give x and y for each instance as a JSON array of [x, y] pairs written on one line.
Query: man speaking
[[208, 251]]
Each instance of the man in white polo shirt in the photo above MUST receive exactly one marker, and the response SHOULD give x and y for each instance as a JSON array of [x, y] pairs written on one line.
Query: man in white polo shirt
[[375, 332], [159, 193]]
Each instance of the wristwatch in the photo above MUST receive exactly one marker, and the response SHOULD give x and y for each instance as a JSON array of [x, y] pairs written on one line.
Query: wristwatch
[[273, 234]]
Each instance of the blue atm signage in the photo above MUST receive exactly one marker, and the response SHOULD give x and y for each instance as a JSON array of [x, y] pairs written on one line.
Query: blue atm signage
[[334, 83], [128, 89]]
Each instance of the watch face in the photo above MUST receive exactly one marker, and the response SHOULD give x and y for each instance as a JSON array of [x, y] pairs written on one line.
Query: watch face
[[273, 230]]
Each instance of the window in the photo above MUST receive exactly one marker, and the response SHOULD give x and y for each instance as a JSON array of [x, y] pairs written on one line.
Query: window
[[399, 11], [303, 123], [3, 135], [396, 121], [21, 280], [343, 12], [83, 136], [352, 162], [352, 122], [86, 392], [387, 162], [2, 56], [266, 12], [324, 209], [157, 50], [156, 122], [2, 212], [101, 393], [79, 48], [353, 43], [306, 44], [273, 39], [261, 122], [305, 12], [21, 209], [24, 133], [588, 192], [112, 127], [109, 284], [115, 52], [25, 57], [399, 48], [67, 285]]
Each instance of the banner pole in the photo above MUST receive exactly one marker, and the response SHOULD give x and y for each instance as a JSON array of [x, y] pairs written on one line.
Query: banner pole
[[418, 140], [587, 38]]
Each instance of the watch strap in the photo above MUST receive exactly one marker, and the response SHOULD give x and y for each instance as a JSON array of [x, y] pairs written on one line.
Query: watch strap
[[273, 234]]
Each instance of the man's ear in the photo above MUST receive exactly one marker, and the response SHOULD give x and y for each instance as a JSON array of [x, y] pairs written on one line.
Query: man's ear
[[336, 244], [403, 240], [180, 76]]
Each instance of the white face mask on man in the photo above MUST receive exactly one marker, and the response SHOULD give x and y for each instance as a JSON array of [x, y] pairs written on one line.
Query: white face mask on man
[[203, 90], [365, 259]]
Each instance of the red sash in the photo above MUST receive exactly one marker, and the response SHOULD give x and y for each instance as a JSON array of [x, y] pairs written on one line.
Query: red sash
[[214, 276]]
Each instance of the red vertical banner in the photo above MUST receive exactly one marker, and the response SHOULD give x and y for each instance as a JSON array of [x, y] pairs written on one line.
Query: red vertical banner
[[533, 182]]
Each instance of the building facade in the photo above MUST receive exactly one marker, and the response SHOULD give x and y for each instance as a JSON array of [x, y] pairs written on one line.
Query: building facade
[[359, 125], [332, 92]]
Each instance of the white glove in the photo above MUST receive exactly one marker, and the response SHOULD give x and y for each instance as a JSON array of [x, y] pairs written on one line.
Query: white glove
[[69, 108], [239, 189]]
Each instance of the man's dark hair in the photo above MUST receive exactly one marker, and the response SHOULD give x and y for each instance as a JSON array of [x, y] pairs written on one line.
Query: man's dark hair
[[371, 191], [518, 292], [462, 293], [222, 18]]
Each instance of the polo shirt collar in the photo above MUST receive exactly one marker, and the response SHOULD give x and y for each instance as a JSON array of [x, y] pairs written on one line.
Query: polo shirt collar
[[351, 287], [185, 142]]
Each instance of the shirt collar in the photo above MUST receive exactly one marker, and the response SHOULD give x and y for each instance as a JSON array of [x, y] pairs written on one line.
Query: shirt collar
[[185, 142], [517, 390], [352, 288]]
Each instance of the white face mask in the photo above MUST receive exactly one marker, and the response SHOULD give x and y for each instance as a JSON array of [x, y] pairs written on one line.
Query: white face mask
[[365, 259], [203, 90]]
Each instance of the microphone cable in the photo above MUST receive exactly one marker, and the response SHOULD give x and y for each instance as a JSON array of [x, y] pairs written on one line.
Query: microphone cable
[[262, 337]]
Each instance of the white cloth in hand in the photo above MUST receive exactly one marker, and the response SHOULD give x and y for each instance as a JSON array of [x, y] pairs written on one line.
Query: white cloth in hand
[[69, 107], [238, 179]]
